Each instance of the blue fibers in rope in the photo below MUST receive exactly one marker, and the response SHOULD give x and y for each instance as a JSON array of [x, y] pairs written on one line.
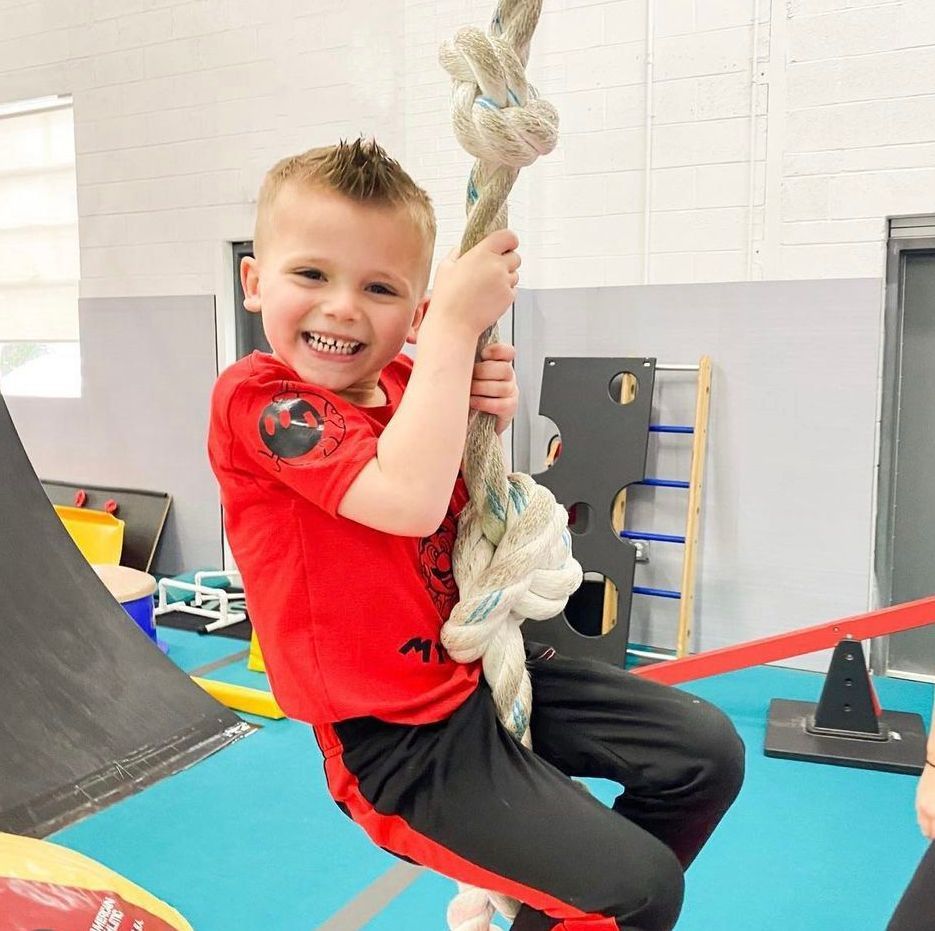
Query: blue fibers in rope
[[490, 104], [485, 607], [495, 504], [518, 498], [520, 719]]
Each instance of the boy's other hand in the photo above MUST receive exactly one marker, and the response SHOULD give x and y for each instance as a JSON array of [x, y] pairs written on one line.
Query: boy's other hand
[[476, 288], [493, 384]]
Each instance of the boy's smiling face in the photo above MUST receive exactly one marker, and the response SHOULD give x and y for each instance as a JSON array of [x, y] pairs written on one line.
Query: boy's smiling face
[[341, 287]]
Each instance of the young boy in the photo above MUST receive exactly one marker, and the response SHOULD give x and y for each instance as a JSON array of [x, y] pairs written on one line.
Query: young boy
[[338, 464]]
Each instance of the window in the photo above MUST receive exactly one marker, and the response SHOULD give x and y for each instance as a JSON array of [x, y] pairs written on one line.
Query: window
[[39, 349]]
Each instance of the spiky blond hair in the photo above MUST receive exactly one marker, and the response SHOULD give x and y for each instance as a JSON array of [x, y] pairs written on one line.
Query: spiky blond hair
[[360, 170]]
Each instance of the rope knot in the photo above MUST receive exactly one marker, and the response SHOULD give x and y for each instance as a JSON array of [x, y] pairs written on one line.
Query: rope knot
[[525, 571], [497, 116]]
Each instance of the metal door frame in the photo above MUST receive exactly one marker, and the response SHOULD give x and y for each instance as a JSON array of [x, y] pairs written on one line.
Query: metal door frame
[[908, 236]]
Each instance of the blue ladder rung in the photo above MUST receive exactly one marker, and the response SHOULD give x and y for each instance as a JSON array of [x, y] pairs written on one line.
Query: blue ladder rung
[[659, 537], [656, 592], [665, 428], [663, 483]]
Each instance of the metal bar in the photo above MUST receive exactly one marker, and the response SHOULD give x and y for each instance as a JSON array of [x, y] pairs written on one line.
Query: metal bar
[[663, 428], [663, 483], [675, 367], [795, 643], [655, 592], [659, 537]]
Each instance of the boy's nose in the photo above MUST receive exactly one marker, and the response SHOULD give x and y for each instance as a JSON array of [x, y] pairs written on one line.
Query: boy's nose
[[341, 306]]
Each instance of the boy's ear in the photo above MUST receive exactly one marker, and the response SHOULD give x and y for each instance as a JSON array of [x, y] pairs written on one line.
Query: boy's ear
[[250, 282], [417, 319]]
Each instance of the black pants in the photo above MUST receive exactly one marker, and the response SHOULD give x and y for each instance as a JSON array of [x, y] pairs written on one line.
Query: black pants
[[916, 909], [463, 798]]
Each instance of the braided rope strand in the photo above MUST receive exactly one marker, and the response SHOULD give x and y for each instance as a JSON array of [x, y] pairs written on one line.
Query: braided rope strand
[[512, 555]]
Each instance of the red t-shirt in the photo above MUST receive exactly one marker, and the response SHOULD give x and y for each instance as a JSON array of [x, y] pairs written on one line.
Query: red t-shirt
[[348, 617]]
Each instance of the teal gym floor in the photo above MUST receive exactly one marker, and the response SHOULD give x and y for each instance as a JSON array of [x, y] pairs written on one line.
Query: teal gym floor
[[248, 840]]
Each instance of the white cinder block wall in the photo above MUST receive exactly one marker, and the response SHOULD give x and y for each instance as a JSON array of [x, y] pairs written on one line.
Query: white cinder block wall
[[180, 106]]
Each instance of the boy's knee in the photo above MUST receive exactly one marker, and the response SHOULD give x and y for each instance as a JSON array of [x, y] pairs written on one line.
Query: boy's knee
[[719, 750], [646, 894], [661, 887]]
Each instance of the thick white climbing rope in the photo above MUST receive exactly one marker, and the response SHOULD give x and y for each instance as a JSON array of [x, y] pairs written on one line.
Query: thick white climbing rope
[[512, 555]]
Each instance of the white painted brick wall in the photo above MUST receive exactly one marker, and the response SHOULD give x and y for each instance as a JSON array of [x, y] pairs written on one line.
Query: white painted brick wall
[[180, 106]]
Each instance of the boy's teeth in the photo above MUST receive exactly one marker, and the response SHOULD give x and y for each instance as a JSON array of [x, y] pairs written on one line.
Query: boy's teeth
[[330, 344]]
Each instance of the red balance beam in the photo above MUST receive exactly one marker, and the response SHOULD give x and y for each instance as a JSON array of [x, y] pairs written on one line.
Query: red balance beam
[[795, 643]]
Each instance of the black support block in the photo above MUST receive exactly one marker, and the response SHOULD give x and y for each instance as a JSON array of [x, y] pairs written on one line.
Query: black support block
[[846, 726]]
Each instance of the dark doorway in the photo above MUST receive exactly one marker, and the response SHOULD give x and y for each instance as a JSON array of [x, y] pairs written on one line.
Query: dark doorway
[[248, 326], [906, 514]]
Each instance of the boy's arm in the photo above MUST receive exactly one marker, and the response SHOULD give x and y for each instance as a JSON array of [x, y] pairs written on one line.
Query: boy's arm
[[406, 488]]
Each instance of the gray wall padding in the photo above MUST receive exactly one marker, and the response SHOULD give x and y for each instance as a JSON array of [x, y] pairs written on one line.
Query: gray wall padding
[[787, 519], [148, 366], [787, 523]]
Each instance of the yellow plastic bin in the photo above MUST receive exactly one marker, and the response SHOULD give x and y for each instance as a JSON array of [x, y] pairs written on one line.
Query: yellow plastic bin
[[97, 534]]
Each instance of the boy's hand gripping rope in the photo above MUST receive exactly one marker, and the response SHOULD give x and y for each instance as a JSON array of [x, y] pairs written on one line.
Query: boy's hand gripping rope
[[512, 555]]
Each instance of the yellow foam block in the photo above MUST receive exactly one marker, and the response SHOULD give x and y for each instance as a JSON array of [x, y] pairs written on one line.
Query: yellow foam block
[[255, 661], [242, 698]]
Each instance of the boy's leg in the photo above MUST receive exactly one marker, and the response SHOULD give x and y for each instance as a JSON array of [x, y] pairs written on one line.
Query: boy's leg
[[679, 757], [915, 909], [463, 798]]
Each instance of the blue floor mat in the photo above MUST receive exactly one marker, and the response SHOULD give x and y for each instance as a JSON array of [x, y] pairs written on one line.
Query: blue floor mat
[[189, 651], [244, 841], [249, 839], [805, 848]]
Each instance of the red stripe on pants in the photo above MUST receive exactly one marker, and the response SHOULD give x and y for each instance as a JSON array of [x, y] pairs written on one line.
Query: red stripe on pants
[[394, 834]]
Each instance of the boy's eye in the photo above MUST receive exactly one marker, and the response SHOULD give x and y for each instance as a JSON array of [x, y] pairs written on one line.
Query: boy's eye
[[311, 273], [378, 288]]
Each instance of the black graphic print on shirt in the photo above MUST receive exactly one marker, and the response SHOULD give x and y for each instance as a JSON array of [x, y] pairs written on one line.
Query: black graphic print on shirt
[[295, 423]]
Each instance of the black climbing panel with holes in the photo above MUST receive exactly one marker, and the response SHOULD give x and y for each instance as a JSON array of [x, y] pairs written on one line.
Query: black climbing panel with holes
[[603, 451]]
